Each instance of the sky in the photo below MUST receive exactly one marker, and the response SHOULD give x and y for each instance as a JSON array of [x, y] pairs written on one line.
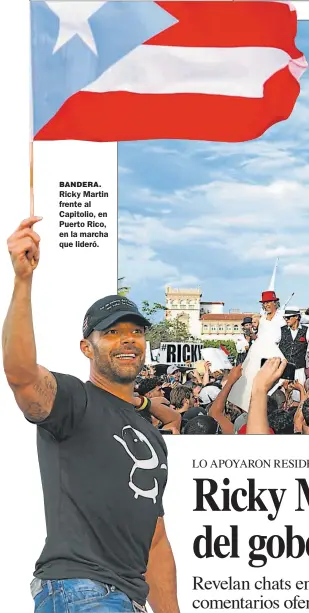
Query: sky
[[216, 216]]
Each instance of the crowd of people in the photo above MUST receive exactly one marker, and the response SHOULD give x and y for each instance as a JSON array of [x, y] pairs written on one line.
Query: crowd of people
[[195, 400]]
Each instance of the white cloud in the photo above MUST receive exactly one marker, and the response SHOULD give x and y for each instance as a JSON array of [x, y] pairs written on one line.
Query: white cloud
[[123, 170], [248, 201], [262, 251], [233, 196], [267, 217], [299, 268], [140, 263], [142, 230]]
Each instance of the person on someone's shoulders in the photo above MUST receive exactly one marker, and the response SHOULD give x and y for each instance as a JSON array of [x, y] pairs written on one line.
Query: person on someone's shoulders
[[272, 320]]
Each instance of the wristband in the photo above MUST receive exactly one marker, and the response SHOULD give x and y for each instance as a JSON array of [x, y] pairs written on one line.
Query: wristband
[[143, 404]]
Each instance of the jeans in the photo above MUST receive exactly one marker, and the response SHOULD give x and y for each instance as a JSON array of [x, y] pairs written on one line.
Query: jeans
[[80, 596]]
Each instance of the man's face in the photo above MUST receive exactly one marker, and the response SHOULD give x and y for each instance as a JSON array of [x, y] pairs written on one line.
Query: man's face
[[255, 322], [119, 351], [176, 375], [247, 328], [270, 307], [196, 391], [291, 321], [191, 401], [157, 392]]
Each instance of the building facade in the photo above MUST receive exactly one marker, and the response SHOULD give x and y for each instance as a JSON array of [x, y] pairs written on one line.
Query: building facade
[[205, 320]]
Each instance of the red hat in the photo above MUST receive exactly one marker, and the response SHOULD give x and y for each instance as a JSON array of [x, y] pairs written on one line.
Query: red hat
[[269, 297]]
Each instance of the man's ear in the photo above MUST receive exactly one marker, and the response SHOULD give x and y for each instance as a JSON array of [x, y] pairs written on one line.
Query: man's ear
[[86, 348]]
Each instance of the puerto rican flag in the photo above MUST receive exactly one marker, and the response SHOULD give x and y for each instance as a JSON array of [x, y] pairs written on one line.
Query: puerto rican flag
[[220, 70]]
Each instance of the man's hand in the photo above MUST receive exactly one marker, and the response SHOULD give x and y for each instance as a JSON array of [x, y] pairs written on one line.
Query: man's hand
[[173, 429], [235, 374], [269, 374], [23, 246], [295, 385], [207, 366]]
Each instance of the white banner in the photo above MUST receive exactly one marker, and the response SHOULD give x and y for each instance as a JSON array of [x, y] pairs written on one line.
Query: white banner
[[217, 358], [182, 354]]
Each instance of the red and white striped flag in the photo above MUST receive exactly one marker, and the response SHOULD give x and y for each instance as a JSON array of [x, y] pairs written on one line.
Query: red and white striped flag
[[225, 71]]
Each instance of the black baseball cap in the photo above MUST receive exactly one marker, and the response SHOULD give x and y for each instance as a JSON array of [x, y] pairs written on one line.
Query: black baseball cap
[[107, 311], [247, 320]]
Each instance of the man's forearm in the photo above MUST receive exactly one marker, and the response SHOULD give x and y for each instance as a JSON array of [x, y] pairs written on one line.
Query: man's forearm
[[18, 343], [206, 377], [257, 417], [161, 578], [218, 405], [165, 414]]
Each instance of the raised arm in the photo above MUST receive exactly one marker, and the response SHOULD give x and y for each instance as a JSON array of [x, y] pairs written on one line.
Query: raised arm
[[34, 387], [263, 382], [206, 376], [218, 406]]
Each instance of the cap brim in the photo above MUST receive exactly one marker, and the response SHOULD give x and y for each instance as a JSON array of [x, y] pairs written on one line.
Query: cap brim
[[113, 318]]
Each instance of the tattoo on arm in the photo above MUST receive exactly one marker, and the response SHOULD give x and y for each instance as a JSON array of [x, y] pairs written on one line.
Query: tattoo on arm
[[36, 412], [45, 391]]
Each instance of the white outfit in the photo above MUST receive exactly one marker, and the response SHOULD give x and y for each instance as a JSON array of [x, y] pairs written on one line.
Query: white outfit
[[241, 344], [271, 328]]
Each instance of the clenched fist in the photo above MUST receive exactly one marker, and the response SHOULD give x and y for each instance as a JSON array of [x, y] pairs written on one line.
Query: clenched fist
[[23, 246]]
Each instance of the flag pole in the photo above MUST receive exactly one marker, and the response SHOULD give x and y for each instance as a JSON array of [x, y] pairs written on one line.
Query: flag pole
[[31, 181], [33, 263], [31, 189], [289, 300]]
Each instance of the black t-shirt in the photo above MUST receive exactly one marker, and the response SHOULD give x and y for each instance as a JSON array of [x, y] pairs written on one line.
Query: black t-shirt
[[103, 471], [190, 414]]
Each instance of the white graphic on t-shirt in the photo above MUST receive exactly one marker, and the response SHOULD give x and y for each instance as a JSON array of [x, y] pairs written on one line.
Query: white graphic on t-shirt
[[148, 464]]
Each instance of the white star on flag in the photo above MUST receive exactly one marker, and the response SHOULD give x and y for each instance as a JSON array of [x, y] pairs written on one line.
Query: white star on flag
[[73, 18]]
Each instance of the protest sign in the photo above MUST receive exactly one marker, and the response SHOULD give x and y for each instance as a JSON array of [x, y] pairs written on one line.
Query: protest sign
[[217, 358], [181, 354]]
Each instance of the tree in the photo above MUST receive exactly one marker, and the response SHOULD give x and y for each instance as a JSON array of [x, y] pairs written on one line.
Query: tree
[[150, 311], [122, 290], [165, 331]]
